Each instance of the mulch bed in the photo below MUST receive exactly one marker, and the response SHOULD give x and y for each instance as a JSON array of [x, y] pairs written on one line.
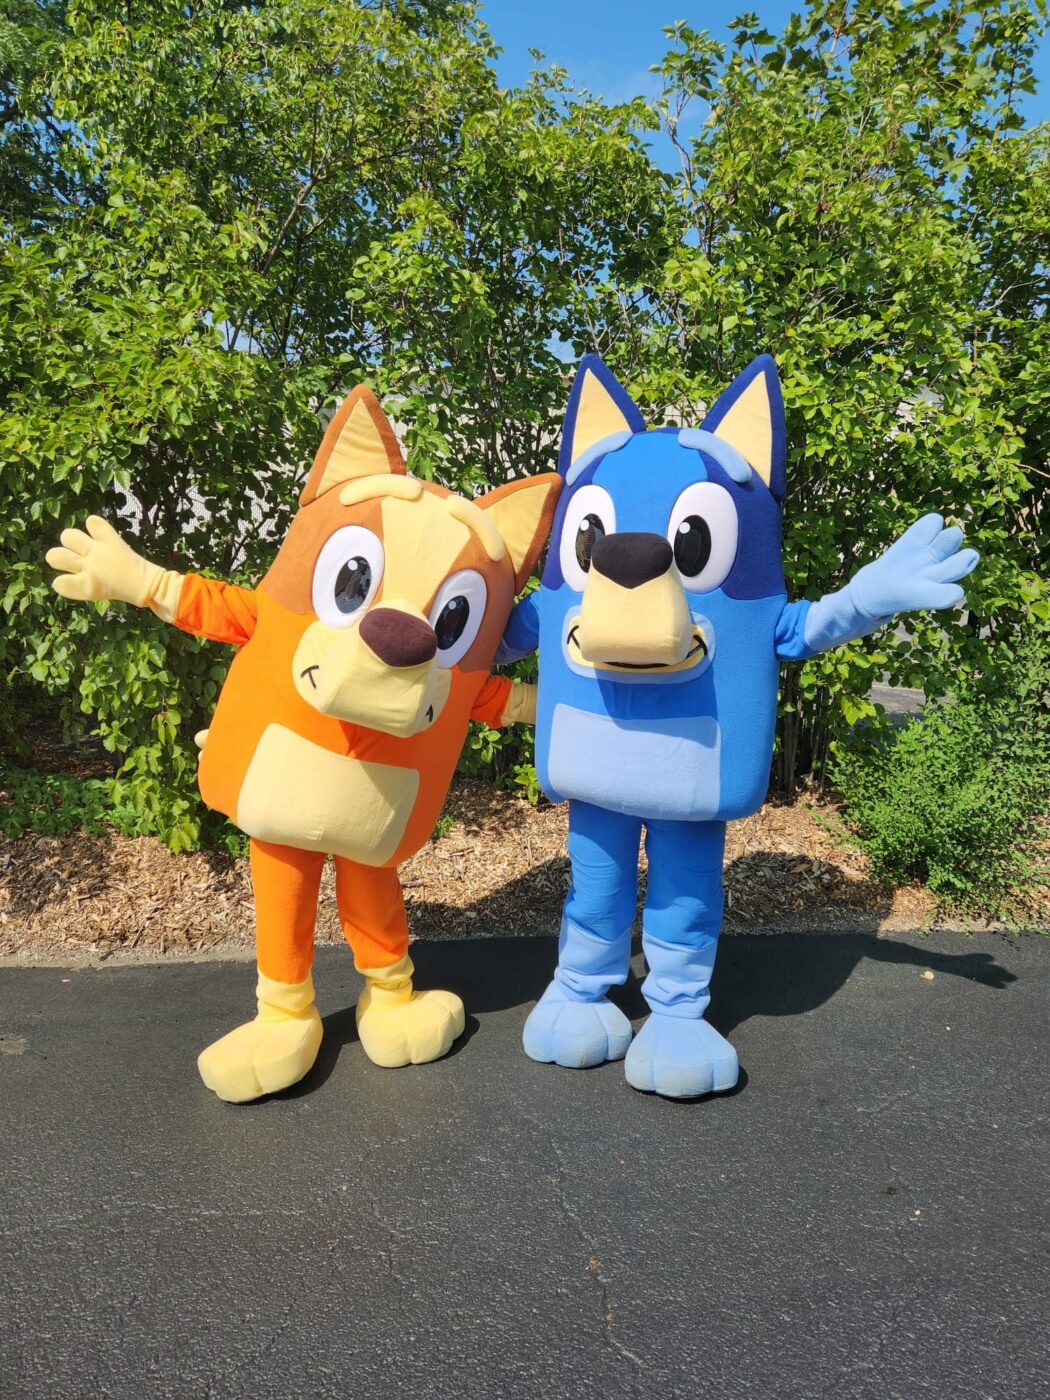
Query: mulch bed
[[501, 870]]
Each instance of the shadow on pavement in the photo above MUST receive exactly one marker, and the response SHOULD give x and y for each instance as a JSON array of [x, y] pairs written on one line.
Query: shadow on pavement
[[757, 974], [785, 974], [791, 974]]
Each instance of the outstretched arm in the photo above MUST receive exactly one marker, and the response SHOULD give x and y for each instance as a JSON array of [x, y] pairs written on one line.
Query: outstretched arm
[[920, 570], [98, 565], [222, 612]]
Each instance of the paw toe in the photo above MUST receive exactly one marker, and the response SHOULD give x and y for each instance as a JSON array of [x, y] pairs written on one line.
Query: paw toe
[[577, 1046], [413, 1033], [576, 1035], [680, 1059], [260, 1058], [286, 1054], [670, 1080]]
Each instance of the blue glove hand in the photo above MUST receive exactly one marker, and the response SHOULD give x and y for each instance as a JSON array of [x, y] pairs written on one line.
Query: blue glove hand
[[920, 570]]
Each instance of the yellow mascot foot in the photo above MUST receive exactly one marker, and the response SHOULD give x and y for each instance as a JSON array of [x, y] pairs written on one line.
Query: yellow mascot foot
[[399, 1026], [270, 1053]]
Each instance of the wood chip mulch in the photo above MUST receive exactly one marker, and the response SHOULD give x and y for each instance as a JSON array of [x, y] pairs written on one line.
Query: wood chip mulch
[[501, 869]]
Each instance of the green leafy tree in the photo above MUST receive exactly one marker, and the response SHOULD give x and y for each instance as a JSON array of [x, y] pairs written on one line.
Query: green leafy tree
[[233, 212], [861, 199], [29, 174], [218, 217]]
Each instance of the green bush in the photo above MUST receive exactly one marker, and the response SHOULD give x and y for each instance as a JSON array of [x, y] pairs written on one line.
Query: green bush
[[53, 804], [218, 217], [56, 804], [956, 799], [505, 755]]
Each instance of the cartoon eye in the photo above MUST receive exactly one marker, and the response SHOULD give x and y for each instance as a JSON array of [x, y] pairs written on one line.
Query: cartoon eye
[[347, 575], [703, 532], [590, 517], [456, 615]]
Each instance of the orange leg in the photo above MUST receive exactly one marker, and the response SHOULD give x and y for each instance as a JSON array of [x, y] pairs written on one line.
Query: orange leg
[[396, 1024], [279, 1046], [286, 882], [372, 912]]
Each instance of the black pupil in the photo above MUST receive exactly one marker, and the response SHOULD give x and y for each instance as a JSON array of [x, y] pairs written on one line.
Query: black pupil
[[692, 545], [451, 621], [352, 583], [590, 532]]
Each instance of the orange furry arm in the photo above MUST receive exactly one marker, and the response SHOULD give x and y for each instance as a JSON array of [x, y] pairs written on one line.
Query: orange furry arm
[[222, 612], [491, 701], [502, 701]]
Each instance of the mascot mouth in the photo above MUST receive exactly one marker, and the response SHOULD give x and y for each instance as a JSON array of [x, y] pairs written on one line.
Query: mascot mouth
[[698, 653], [341, 675]]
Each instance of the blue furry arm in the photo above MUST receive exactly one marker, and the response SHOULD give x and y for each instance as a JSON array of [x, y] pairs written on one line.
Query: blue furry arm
[[522, 635], [789, 638], [804, 628]]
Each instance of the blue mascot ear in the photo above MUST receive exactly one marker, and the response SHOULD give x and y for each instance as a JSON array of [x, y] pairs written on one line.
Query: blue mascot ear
[[750, 417], [601, 414]]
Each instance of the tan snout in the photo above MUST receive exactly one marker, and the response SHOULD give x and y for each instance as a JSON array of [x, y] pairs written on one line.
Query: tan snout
[[381, 674], [634, 609]]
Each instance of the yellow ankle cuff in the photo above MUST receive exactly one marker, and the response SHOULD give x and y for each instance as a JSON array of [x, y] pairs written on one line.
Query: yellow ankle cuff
[[390, 978], [380, 998], [288, 998]]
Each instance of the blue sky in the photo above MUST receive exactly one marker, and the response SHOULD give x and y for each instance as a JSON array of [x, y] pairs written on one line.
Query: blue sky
[[608, 45]]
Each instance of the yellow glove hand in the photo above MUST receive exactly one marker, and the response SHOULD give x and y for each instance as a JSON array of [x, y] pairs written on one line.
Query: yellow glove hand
[[99, 565]]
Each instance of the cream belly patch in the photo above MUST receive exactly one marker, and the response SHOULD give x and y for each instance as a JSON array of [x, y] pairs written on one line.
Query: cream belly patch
[[297, 794]]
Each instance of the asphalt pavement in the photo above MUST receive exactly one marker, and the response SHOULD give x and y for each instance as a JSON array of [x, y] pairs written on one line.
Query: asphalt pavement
[[864, 1217]]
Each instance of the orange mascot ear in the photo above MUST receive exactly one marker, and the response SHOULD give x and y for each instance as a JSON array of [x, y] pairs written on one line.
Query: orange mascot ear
[[522, 512], [359, 442]]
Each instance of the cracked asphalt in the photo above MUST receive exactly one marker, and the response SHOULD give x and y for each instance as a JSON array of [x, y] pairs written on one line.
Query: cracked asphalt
[[865, 1216]]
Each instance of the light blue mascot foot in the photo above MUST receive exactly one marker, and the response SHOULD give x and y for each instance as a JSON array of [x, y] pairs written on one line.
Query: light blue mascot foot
[[680, 1058], [576, 1034]]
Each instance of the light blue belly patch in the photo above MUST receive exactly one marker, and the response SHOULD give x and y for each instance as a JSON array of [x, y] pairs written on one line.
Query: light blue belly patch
[[663, 769]]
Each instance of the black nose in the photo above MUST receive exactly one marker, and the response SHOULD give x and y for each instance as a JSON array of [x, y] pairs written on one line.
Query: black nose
[[632, 558], [398, 638]]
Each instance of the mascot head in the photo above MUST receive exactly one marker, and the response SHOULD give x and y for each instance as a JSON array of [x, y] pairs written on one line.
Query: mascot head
[[395, 587]]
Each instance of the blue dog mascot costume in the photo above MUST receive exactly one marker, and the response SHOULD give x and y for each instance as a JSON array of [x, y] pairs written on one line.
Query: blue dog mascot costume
[[661, 619]]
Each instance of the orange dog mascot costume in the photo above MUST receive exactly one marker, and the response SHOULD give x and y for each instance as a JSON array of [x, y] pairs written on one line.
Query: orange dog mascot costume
[[361, 657]]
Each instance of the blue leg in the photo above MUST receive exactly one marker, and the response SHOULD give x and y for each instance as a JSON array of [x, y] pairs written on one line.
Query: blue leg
[[573, 1024], [677, 1053]]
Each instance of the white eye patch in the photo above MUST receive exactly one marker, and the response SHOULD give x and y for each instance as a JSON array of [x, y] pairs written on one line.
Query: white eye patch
[[347, 576], [590, 516], [703, 531], [456, 615]]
